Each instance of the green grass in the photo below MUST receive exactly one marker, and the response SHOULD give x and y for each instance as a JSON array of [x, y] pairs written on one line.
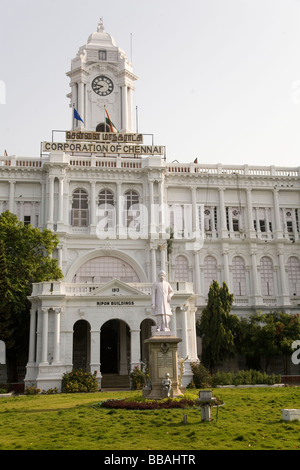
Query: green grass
[[249, 419]]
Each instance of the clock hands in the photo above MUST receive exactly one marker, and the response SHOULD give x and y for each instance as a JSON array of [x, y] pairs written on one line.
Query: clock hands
[[102, 85]]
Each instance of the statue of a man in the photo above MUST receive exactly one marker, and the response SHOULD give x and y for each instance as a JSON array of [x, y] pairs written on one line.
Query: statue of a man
[[162, 293]]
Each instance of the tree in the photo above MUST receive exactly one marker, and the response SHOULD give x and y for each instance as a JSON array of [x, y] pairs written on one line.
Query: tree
[[25, 258], [5, 299], [287, 330], [217, 327], [266, 335]]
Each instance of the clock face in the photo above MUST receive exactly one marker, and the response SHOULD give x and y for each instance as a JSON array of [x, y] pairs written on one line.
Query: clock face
[[102, 85]]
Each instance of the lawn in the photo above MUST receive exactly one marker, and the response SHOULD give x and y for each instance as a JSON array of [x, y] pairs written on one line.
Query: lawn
[[249, 419]]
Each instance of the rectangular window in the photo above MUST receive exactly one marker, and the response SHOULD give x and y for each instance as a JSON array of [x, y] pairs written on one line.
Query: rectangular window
[[289, 226], [235, 225], [262, 225], [27, 219], [227, 218], [216, 218], [102, 55]]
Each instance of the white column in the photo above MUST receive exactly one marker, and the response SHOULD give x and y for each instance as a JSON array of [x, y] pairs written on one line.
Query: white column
[[60, 256], [124, 108], [130, 110], [121, 232], [21, 212], [153, 263], [11, 203], [95, 352], [222, 213], [161, 205], [135, 348], [44, 337], [267, 219], [152, 213], [278, 228], [56, 351], [51, 200], [32, 336], [226, 266], [61, 199], [93, 203], [197, 273], [81, 103], [194, 208], [256, 285], [257, 219], [163, 258], [284, 292], [173, 327], [185, 349], [74, 104], [249, 212], [193, 348]]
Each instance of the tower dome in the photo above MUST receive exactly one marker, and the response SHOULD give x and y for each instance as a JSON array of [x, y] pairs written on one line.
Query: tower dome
[[100, 37]]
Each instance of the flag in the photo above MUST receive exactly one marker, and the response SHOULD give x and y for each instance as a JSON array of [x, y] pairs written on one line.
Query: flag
[[110, 123], [76, 116]]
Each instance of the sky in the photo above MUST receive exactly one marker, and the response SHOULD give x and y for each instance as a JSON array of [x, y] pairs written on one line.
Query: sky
[[218, 80]]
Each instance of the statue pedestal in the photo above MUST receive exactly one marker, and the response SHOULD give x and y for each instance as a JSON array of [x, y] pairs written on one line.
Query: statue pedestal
[[162, 360]]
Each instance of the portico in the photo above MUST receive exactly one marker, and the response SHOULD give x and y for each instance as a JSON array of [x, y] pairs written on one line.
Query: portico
[[100, 328]]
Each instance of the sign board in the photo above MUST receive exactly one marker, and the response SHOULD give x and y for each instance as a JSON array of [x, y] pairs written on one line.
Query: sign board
[[103, 148], [103, 137]]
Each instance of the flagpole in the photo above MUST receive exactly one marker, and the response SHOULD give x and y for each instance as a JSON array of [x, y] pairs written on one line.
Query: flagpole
[[137, 120]]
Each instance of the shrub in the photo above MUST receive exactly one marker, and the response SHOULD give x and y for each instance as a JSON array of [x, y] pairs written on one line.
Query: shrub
[[138, 379], [78, 381], [50, 391], [222, 378], [32, 391], [244, 377], [128, 404], [201, 376]]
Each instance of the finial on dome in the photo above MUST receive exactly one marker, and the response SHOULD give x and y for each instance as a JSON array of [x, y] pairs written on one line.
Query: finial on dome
[[100, 27]]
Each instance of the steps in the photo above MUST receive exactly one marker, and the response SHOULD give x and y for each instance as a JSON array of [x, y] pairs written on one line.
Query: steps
[[115, 381]]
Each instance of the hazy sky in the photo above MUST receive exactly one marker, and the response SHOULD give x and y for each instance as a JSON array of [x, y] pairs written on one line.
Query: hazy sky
[[218, 79]]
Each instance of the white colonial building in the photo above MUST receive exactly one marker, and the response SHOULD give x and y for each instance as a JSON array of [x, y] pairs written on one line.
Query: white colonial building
[[122, 213]]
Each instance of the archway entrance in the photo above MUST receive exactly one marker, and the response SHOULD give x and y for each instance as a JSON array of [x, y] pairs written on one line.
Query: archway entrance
[[115, 348], [81, 345]]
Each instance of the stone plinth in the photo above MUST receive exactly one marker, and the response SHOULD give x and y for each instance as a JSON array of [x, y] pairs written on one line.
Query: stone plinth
[[162, 360], [290, 414]]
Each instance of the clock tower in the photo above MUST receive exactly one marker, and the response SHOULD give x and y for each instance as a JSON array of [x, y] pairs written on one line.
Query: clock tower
[[101, 78]]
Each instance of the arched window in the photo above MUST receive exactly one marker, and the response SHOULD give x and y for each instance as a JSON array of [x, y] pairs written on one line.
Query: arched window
[[106, 210], [210, 272], [102, 127], [104, 269], [293, 266], [266, 276], [80, 210], [132, 212], [238, 276], [181, 268]]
